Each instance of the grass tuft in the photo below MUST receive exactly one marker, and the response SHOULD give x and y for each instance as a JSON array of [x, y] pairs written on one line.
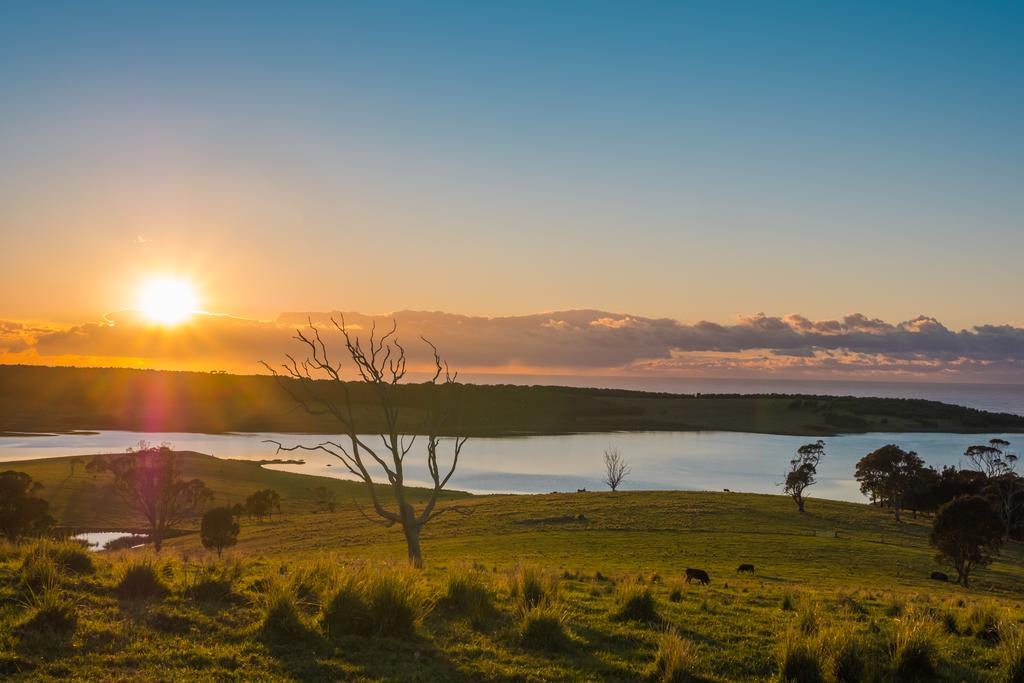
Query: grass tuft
[[282, 620], [542, 628], [532, 587], [676, 659], [636, 603], [1011, 655], [52, 613], [801, 659], [469, 592], [347, 612], [914, 650], [398, 602], [140, 580]]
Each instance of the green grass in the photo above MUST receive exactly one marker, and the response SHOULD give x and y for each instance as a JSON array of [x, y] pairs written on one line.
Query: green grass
[[550, 598]]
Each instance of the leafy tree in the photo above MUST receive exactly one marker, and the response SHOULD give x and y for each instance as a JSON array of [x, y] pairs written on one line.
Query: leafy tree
[[21, 513], [263, 503], [149, 480], [615, 468], [326, 498], [888, 474], [1003, 485], [802, 470], [316, 384], [219, 529], [968, 533]]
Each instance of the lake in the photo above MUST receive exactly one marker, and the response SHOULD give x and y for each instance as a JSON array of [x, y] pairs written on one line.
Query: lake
[[540, 464]]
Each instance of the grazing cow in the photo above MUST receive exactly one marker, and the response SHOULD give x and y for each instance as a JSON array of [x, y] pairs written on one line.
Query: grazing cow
[[939, 576], [581, 490], [745, 569], [697, 575]]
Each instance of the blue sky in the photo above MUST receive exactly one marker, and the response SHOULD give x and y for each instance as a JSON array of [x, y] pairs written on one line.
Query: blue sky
[[687, 160]]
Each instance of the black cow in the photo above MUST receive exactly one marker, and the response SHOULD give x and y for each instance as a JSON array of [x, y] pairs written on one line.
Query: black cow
[[745, 569], [697, 575], [939, 576]]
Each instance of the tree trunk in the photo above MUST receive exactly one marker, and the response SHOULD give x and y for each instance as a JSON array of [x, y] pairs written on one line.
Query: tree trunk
[[412, 541], [158, 540], [800, 504]]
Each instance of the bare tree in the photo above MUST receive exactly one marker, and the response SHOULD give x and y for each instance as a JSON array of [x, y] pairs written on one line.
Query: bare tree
[[615, 468], [382, 366]]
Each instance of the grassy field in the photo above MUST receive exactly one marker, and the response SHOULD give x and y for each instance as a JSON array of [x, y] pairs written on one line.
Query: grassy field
[[840, 579], [40, 399]]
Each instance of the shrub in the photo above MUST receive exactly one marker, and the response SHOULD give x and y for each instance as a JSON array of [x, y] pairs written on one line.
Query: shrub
[[914, 650], [676, 595], [676, 659], [397, 600], [468, 591], [636, 603], [531, 587], [1011, 655], [542, 628], [347, 612], [281, 618], [788, 601], [140, 581], [801, 659]]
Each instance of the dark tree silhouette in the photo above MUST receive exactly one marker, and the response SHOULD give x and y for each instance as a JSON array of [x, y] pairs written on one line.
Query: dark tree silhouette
[[149, 480], [968, 533], [615, 468], [21, 513], [219, 529], [802, 470], [382, 366], [326, 498], [888, 474]]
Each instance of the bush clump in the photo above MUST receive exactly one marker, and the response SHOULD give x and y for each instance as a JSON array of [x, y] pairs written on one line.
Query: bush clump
[[984, 621], [636, 603], [848, 658], [70, 557], [676, 659], [140, 581]]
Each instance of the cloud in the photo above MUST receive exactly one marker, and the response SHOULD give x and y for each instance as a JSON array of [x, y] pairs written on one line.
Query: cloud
[[584, 341]]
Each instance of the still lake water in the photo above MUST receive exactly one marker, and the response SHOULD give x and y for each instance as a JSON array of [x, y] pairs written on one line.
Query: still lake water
[[540, 464]]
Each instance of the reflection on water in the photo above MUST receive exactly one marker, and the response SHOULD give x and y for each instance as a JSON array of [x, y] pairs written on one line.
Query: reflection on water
[[540, 464], [98, 540]]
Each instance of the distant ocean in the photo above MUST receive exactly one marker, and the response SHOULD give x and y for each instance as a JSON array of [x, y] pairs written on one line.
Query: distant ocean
[[1000, 398]]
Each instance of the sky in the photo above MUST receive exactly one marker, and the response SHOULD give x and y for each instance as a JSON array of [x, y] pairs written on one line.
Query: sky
[[689, 162]]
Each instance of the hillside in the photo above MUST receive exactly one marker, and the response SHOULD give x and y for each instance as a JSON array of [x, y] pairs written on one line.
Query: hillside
[[839, 573], [40, 399]]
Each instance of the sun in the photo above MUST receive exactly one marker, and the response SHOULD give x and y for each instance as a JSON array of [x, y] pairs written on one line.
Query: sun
[[167, 300]]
